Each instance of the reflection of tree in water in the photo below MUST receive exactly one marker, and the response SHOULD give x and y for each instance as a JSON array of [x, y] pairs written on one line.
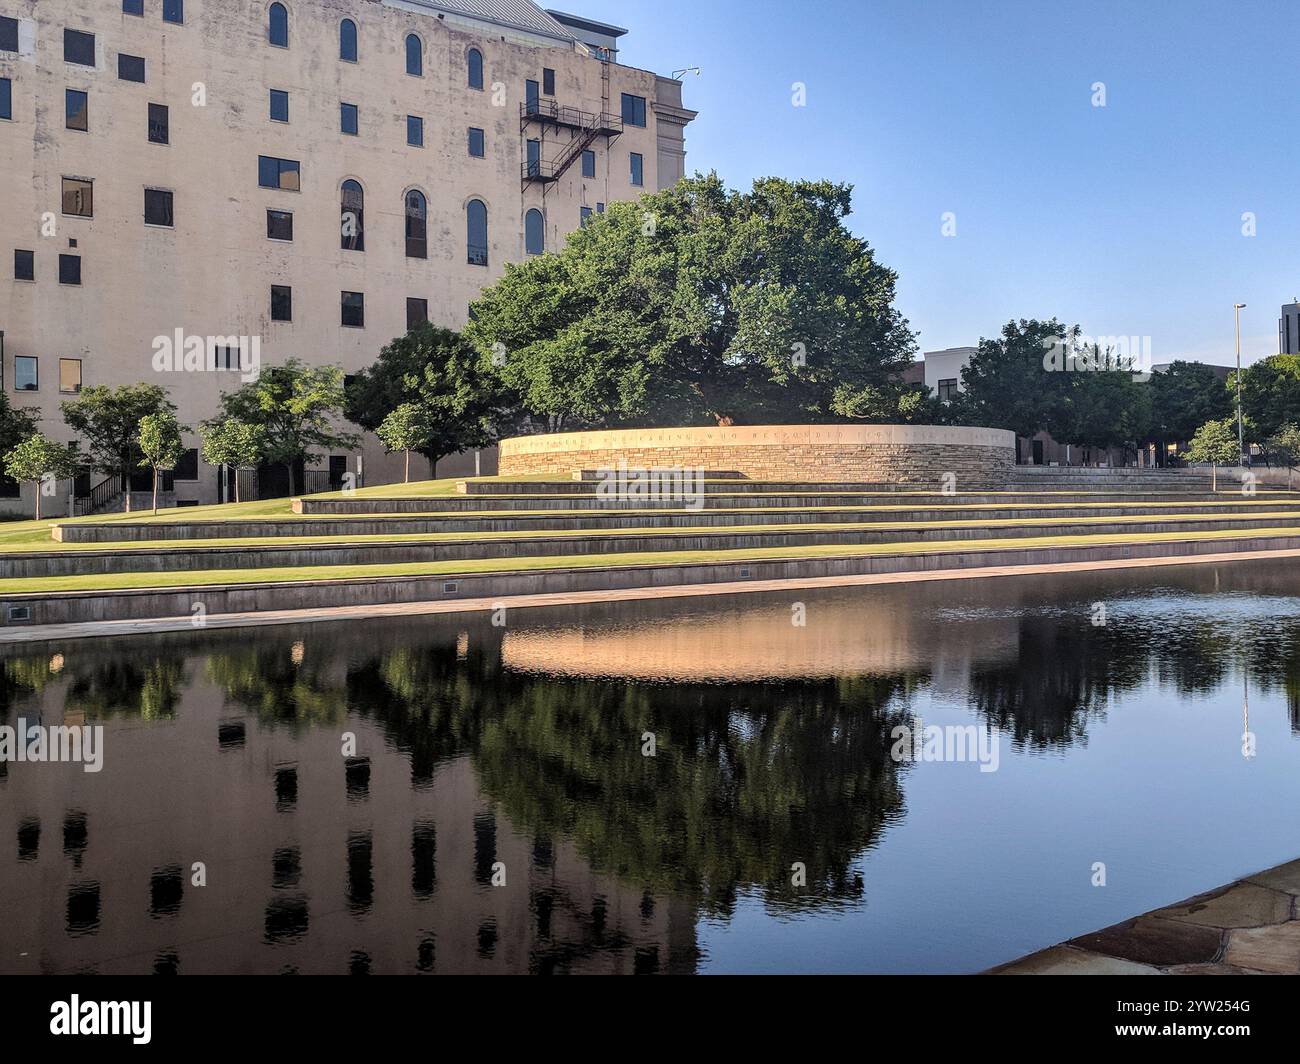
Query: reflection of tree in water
[[748, 779], [1276, 666], [22, 677], [148, 688], [279, 686]]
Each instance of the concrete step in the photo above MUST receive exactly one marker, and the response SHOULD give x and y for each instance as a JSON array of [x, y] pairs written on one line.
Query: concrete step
[[72, 563], [481, 589], [452, 523], [801, 500], [709, 474]]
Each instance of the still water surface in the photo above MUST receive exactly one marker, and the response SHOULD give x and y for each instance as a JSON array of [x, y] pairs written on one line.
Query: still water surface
[[518, 753]]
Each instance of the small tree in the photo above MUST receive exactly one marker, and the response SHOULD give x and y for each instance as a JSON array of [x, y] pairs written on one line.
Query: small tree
[[406, 429], [236, 444], [37, 458], [108, 421], [295, 406], [161, 444], [1215, 442]]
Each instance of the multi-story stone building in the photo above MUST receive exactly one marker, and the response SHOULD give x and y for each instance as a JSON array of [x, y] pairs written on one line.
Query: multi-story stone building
[[311, 175]]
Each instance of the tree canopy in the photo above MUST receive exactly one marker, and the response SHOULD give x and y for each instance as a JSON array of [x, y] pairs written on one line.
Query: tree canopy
[[701, 305]]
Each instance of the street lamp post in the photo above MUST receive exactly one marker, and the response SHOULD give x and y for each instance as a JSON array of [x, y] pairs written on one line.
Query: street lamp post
[[1237, 308]]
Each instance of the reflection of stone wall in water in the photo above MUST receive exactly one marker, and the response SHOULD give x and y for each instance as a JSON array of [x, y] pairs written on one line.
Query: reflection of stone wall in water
[[891, 454]]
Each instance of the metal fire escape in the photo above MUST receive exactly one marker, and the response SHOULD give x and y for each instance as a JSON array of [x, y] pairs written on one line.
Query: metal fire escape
[[583, 127]]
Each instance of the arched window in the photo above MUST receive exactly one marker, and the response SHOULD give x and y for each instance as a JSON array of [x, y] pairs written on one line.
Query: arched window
[[278, 26], [474, 60], [414, 55], [476, 232], [417, 244], [534, 232], [348, 41], [352, 227]]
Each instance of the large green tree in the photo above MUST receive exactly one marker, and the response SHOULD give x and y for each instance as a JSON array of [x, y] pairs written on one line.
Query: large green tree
[[295, 406], [445, 382], [1183, 398], [1017, 381], [1101, 408], [108, 421], [701, 305], [1270, 393]]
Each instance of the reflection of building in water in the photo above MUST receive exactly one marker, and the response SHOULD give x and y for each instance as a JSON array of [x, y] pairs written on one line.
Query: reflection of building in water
[[314, 862], [868, 630]]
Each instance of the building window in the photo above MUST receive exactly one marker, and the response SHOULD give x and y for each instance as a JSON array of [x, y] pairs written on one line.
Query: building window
[[76, 107], [281, 302], [417, 311], [279, 225], [187, 466], [133, 7], [474, 63], [414, 131], [69, 376], [477, 146], [600, 208], [414, 56], [638, 167], [8, 34], [948, 390], [158, 207], [633, 110], [277, 26], [6, 98], [70, 269], [548, 81], [26, 373], [534, 158], [348, 119], [348, 41], [278, 173], [279, 105], [24, 265], [78, 48], [584, 216], [352, 217], [130, 68], [534, 232], [532, 101], [174, 11], [476, 231], [417, 244], [353, 309], [78, 197], [159, 124], [588, 163]]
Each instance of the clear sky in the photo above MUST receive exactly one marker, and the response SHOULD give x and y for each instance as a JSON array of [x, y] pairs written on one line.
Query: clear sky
[[1124, 219]]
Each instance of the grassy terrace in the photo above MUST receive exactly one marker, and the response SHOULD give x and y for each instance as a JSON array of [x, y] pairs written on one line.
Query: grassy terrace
[[157, 546], [207, 578]]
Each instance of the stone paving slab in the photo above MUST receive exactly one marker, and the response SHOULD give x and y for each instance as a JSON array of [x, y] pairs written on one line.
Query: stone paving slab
[[1250, 927]]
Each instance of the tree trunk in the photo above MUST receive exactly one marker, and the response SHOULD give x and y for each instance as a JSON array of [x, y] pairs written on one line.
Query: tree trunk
[[155, 491], [407, 474], [235, 470], [292, 488], [38, 500], [126, 488]]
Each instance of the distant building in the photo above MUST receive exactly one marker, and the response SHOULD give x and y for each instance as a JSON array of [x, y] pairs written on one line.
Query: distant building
[[1288, 329]]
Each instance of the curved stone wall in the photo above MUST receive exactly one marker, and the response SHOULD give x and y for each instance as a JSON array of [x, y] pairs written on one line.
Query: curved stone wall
[[917, 455]]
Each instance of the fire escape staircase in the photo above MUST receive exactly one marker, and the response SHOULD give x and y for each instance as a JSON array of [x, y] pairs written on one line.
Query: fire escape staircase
[[584, 127]]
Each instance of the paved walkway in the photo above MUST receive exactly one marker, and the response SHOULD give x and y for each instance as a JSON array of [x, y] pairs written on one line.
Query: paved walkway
[[1250, 927], [88, 629]]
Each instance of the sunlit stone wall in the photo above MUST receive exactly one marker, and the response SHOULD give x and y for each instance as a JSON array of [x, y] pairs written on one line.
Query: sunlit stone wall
[[892, 454]]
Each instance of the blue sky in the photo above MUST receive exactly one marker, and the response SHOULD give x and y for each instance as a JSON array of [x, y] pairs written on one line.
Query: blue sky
[[1124, 219]]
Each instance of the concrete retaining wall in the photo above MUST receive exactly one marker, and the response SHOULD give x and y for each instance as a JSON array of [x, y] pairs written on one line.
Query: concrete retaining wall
[[898, 454], [74, 607]]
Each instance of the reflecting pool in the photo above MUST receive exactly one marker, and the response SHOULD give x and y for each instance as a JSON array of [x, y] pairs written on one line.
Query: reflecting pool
[[699, 785]]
